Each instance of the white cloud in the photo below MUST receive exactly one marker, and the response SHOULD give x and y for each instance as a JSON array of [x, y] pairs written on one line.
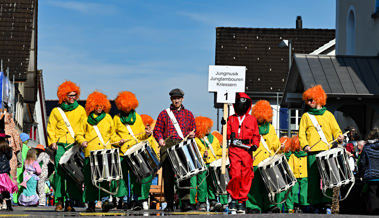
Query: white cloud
[[85, 7]]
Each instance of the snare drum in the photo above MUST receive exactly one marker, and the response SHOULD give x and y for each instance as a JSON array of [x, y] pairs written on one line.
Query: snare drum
[[105, 165], [219, 180], [334, 169], [142, 160], [186, 160], [72, 162], [277, 175]]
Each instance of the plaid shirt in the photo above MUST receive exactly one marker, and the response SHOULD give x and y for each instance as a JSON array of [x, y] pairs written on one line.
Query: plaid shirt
[[165, 128]]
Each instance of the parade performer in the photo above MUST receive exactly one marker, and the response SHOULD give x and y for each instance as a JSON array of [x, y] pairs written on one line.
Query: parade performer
[[242, 131], [143, 195], [317, 129], [96, 135], [7, 186], [258, 201], [64, 122], [222, 202], [129, 130], [172, 126], [298, 198], [209, 147]]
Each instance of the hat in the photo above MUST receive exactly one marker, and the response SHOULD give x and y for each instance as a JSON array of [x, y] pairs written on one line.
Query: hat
[[41, 147], [24, 137], [176, 93], [3, 135]]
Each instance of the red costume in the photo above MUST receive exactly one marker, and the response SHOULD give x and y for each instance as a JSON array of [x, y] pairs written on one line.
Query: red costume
[[243, 132]]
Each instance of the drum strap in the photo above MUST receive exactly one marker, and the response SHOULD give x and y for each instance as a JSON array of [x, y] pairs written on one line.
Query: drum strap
[[210, 147], [131, 132], [265, 145], [318, 128], [175, 122], [240, 121], [69, 127], [99, 135]]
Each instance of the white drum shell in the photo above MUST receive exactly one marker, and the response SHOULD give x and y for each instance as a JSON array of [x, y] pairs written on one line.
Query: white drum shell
[[186, 159], [334, 169], [105, 165], [276, 174]]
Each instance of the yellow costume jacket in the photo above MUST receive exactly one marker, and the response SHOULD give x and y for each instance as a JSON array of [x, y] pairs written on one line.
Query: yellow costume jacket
[[298, 166], [273, 144], [122, 132], [57, 130], [216, 148], [308, 134], [106, 129]]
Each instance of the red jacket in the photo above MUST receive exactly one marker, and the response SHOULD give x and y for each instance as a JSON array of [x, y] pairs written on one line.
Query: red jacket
[[249, 128]]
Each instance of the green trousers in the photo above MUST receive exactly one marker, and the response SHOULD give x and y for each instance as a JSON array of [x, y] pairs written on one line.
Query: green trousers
[[258, 195], [298, 195], [212, 195], [91, 192], [123, 184], [64, 185], [142, 190], [198, 184], [315, 195]]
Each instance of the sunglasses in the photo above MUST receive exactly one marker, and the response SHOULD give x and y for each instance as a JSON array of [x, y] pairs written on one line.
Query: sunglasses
[[71, 96], [310, 100]]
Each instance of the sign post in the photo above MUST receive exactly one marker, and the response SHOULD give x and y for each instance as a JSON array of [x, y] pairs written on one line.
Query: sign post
[[226, 81]]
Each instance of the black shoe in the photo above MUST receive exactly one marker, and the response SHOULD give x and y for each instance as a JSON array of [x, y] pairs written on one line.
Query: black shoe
[[69, 206], [135, 205], [106, 206], [186, 206], [169, 207], [252, 211], [241, 208], [91, 207], [202, 206], [214, 206], [233, 205], [273, 209], [9, 205]]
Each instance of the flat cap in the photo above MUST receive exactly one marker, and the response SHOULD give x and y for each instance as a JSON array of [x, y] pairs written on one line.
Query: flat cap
[[176, 93]]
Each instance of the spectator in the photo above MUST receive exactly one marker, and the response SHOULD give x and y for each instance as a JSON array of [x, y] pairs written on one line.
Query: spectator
[[29, 196], [43, 159]]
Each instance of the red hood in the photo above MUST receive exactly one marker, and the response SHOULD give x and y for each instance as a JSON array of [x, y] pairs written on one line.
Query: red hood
[[244, 95]]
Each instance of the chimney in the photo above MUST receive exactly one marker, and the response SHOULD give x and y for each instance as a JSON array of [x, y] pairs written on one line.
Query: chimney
[[299, 22]]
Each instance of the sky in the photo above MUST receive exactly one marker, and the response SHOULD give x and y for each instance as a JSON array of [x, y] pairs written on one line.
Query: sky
[[150, 47]]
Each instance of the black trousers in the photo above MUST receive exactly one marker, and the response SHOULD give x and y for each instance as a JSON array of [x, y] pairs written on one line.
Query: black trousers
[[169, 176], [372, 199]]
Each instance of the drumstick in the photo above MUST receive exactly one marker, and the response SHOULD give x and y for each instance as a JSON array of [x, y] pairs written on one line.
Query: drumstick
[[257, 153], [125, 140], [185, 138], [280, 147], [68, 145], [331, 141]]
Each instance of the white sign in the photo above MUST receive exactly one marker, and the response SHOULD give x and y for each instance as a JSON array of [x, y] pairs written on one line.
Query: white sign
[[226, 81], [226, 78]]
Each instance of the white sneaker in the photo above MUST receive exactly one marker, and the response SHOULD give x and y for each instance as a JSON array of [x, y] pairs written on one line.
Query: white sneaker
[[145, 206], [4, 206]]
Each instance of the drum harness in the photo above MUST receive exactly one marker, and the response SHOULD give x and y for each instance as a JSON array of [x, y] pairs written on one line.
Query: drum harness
[[323, 138], [180, 133]]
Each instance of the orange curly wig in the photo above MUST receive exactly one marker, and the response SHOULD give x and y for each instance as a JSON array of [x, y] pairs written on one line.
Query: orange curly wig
[[295, 143], [262, 110], [126, 101], [287, 143], [203, 126], [97, 99], [316, 93], [65, 88], [218, 136], [147, 120]]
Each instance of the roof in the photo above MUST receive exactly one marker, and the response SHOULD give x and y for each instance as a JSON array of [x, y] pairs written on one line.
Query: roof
[[258, 49], [16, 25], [340, 76]]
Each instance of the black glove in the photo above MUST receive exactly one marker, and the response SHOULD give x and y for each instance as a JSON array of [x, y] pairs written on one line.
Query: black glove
[[253, 148], [223, 122]]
